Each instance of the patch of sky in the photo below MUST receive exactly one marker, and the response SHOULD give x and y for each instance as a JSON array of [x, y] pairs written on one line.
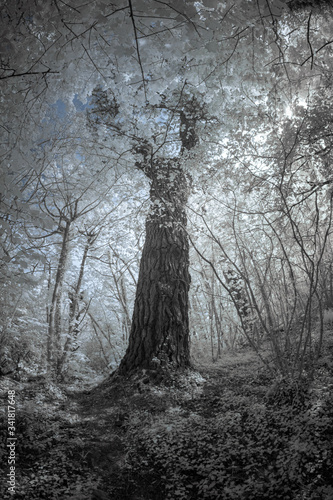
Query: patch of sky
[[164, 116], [79, 105], [60, 108]]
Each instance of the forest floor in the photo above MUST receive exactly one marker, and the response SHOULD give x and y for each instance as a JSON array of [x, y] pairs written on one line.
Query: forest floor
[[219, 432]]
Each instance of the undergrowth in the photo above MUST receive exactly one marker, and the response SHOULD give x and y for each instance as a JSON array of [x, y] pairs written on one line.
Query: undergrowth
[[263, 452], [47, 466], [235, 436]]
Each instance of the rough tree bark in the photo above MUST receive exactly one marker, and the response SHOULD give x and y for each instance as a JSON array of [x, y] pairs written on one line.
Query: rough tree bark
[[159, 335], [160, 327]]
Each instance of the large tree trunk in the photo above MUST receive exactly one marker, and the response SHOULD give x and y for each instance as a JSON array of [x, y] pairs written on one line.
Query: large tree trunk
[[160, 326]]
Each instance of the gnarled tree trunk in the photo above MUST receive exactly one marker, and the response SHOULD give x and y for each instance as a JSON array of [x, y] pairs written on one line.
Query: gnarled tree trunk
[[160, 325]]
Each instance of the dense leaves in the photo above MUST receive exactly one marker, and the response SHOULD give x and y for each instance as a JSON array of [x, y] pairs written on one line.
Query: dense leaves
[[48, 459], [92, 95], [248, 450], [233, 434]]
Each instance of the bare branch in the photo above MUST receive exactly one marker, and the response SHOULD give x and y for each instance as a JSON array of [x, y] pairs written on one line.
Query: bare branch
[[137, 48]]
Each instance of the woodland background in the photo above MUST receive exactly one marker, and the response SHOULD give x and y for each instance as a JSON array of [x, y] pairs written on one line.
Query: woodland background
[[88, 91], [74, 205]]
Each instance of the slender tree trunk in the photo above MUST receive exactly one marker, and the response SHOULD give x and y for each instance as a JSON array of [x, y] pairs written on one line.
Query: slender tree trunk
[[160, 326], [74, 312], [120, 289], [54, 327], [331, 287]]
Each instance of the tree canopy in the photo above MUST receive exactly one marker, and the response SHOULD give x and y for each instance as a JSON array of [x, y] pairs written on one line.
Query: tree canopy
[[100, 100]]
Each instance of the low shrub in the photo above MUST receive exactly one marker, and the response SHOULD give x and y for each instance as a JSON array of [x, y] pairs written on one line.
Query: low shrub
[[261, 453], [45, 465]]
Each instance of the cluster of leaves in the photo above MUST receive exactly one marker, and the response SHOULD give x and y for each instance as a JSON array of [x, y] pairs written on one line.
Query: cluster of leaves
[[259, 452], [45, 470]]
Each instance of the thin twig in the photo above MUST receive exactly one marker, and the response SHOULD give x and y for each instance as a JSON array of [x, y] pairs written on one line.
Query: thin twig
[[308, 40], [137, 47]]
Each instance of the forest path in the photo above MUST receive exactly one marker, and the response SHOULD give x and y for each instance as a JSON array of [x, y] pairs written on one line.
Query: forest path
[[108, 415], [111, 402]]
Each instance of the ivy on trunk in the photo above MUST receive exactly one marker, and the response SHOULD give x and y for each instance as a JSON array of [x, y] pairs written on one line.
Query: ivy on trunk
[[160, 326], [159, 333]]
